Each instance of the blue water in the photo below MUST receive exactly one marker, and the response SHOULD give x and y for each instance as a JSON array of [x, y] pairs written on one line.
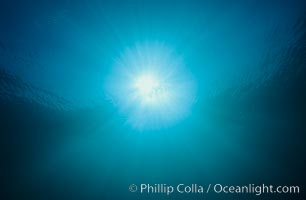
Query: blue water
[[64, 134]]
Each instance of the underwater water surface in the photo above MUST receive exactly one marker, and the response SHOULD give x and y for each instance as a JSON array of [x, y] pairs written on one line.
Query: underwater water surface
[[98, 95]]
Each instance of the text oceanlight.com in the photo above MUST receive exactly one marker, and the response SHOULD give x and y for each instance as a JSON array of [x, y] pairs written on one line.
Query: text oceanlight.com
[[213, 188]]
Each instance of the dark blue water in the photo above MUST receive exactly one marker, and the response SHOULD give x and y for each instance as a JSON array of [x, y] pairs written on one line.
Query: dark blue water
[[64, 135]]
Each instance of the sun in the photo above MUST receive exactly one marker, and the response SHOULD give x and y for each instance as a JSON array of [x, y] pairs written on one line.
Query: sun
[[150, 89]]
